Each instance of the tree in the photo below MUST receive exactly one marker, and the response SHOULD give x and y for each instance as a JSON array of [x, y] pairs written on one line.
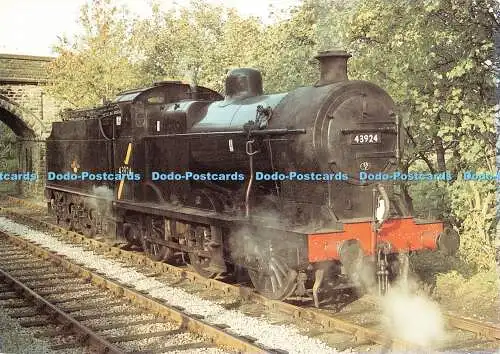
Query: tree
[[445, 85], [201, 42], [197, 43], [435, 57], [8, 144], [99, 62], [286, 51]]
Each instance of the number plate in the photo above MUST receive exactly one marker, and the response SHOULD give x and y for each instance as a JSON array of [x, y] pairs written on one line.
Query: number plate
[[366, 138]]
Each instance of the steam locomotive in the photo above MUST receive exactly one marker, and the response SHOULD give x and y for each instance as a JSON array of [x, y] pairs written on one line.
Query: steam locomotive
[[183, 145]]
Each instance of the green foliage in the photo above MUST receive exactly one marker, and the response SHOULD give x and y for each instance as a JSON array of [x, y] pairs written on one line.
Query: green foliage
[[214, 39], [286, 50], [474, 204], [431, 57], [196, 44], [97, 63], [435, 59], [8, 148], [464, 292], [430, 199]]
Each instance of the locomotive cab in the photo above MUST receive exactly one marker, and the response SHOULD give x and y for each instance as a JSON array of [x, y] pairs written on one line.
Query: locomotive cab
[[151, 114]]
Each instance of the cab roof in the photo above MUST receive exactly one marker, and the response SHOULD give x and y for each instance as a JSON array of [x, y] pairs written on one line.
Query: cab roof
[[134, 94]]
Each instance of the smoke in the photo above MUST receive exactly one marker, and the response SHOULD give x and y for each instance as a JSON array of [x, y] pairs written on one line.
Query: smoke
[[102, 202], [412, 317], [366, 278], [408, 314], [242, 245], [251, 245]]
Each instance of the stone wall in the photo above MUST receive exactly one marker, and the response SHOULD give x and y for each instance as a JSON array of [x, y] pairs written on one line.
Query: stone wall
[[23, 68], [29, 111], [37, 108]]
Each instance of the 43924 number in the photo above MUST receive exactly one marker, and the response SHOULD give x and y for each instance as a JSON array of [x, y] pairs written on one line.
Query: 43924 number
[[366, 138]]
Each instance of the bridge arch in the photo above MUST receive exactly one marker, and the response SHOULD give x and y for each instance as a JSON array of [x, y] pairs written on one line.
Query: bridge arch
[[22, 123], [28, 110]]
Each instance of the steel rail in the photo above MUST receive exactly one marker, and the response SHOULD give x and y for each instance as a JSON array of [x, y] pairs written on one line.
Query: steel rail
[[361, 334], [468, 324], [192, 323], [487, 330], [46, 306]]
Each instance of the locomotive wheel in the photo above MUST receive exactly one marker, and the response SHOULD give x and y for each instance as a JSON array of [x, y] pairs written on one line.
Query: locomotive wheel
[[400, 268], [88, 231], [275, 279], [63, 215], [133, 234], [155, 251], [207, 200], [200, 265], [154, 231], [75, 220], [88, 228], [57, 207], [67, 218], [62, 220]]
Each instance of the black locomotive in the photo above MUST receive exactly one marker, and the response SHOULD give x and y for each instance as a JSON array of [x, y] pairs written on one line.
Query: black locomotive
[[192, 161]]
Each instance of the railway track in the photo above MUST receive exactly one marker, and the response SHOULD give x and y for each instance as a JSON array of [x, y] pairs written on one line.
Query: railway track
[[356, 327], [77, 308], [34, 310]]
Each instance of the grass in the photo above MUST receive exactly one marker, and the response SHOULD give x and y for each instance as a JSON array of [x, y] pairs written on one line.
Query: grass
[[458, 286]]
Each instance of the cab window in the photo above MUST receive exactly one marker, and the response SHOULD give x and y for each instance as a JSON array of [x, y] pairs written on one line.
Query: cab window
[[156, 100]]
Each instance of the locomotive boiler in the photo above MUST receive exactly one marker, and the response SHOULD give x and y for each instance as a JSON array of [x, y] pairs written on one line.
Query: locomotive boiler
[[196, 157]]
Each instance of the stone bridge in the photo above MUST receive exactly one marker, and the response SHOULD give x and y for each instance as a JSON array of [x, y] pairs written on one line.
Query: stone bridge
[[26, 108]]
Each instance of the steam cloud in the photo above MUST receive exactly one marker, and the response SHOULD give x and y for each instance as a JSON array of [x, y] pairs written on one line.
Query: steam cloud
[[411, 317], [102, 204]]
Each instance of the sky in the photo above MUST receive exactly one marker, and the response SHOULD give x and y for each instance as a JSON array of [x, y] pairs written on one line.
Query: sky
[[32, 26]]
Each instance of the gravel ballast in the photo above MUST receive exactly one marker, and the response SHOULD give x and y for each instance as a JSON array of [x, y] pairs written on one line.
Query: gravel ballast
[[16, 339], [283, 337]]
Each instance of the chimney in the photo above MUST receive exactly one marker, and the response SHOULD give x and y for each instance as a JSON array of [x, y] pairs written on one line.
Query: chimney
[[333, 66]]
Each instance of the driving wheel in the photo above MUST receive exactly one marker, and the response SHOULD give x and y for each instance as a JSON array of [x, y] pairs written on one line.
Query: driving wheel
[[201, 265], [152, 236], [274, 278], [88, 223]]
